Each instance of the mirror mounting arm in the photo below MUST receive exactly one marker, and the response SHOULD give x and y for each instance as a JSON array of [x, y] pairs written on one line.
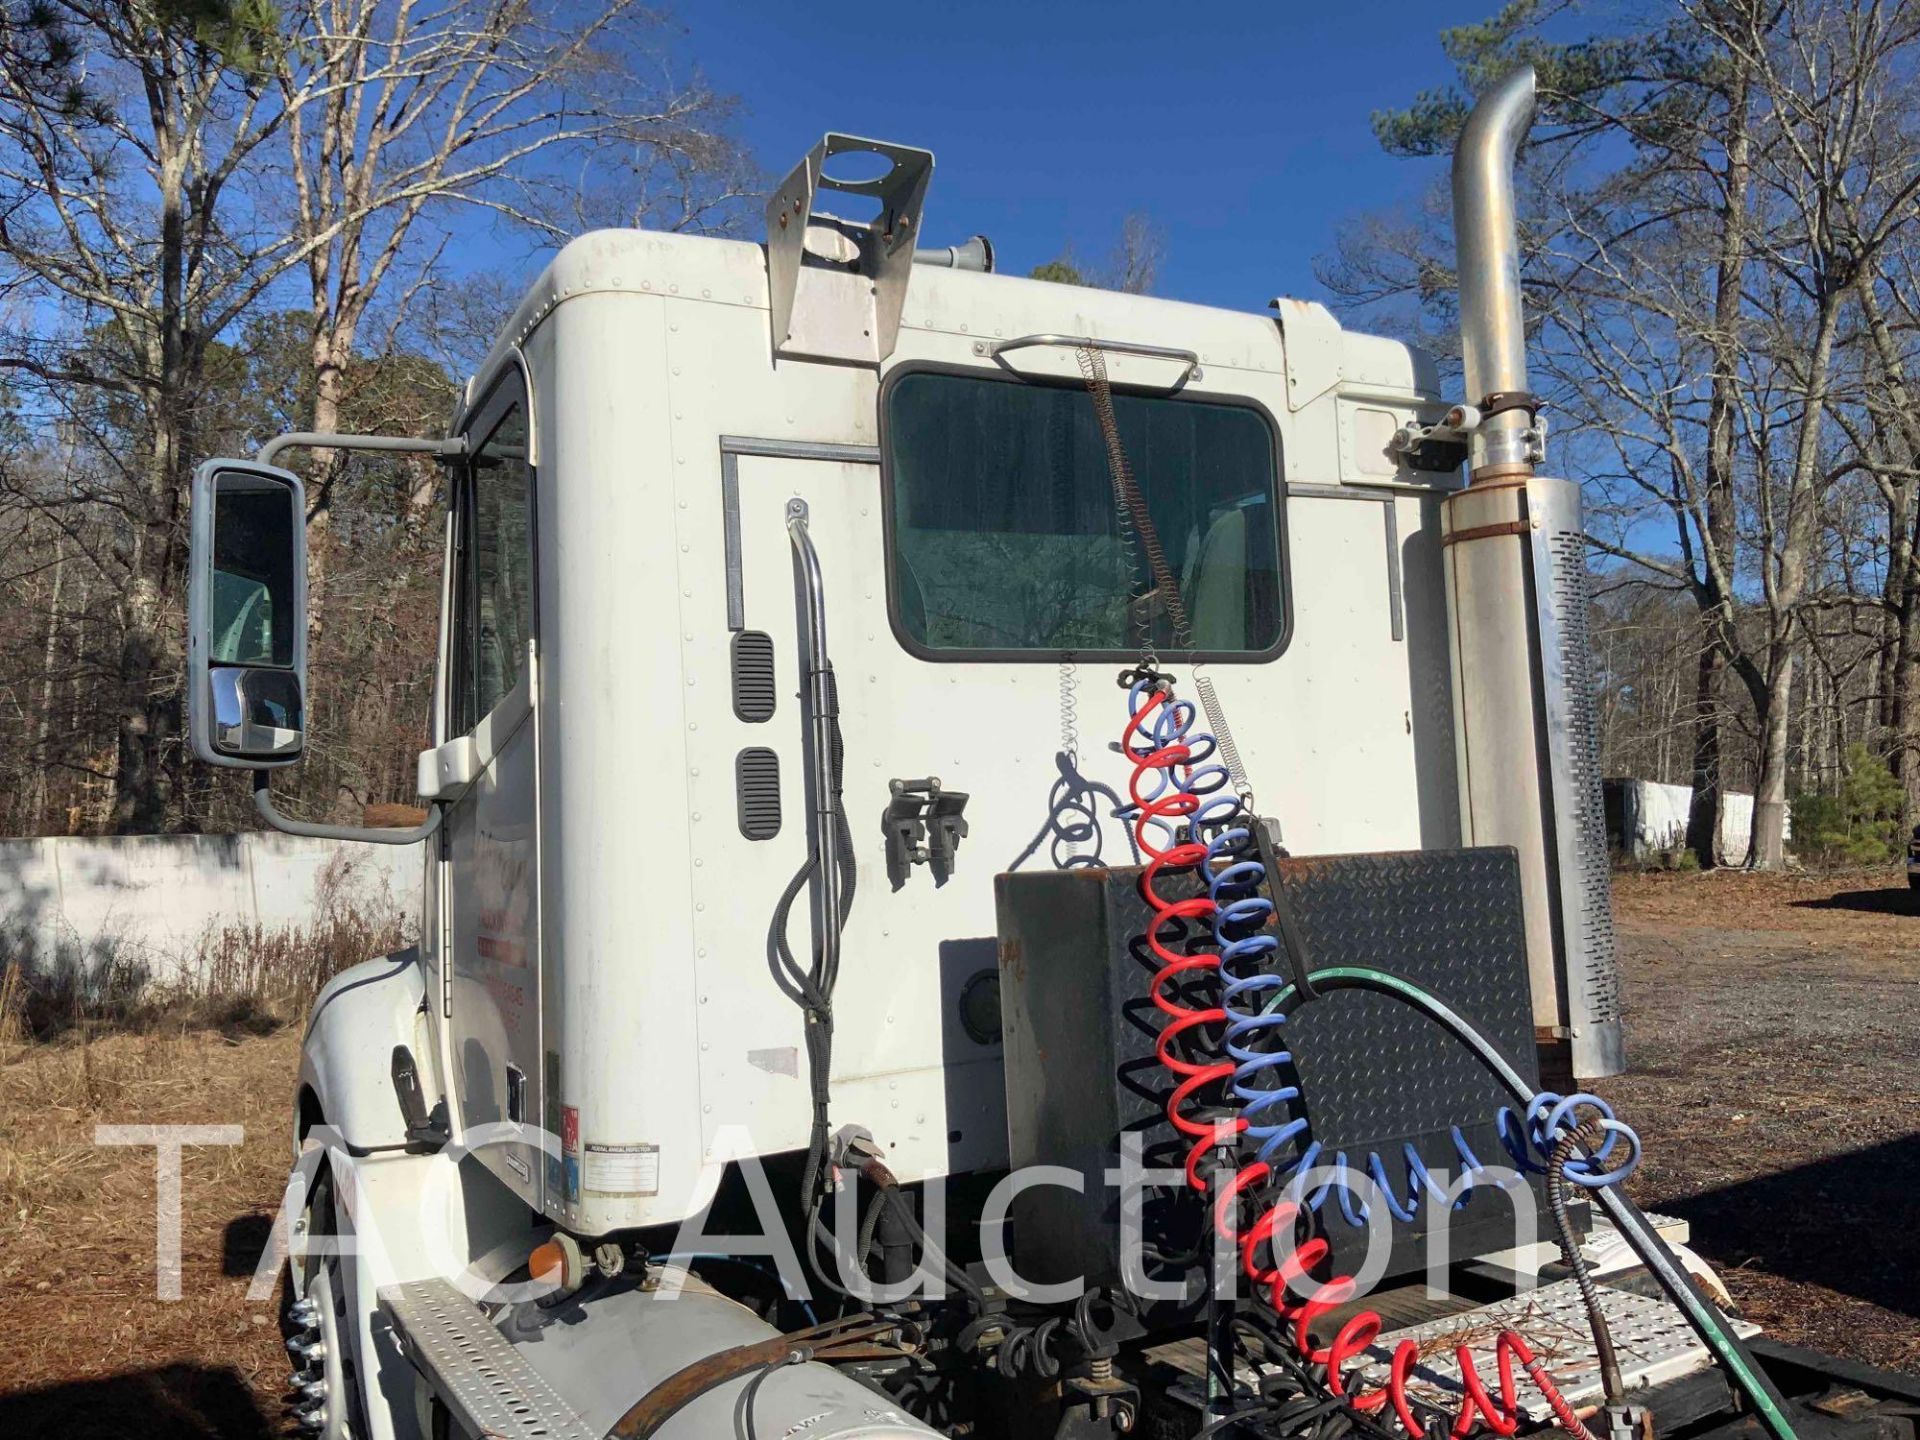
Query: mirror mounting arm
[[445, 451], [365, 834]]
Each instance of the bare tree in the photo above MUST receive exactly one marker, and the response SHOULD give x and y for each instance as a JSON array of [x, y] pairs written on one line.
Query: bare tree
[[1729, 183], [405, 122], [123, 129], [1762, 148], [1885, 431], [1843, 174], [1133, 265], [168, 171]]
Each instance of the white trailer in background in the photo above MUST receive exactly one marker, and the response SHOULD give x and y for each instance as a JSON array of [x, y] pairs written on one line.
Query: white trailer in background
[[1646, 817]]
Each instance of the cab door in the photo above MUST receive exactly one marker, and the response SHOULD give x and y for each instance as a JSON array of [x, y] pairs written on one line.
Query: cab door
[[492, 843]]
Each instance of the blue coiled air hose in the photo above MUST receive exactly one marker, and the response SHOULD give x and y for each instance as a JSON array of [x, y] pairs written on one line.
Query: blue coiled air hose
[[1260, 1086], [1235, 875]]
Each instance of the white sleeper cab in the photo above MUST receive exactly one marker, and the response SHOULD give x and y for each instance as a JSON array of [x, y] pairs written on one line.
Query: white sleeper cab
[[904, 739]]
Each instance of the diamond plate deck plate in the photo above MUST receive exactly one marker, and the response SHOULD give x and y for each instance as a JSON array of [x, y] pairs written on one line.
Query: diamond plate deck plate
[[1653, 1340], [1651, 1336], [1672, 1228], [1374, 1069], [486, 1385], [1376, 1074]]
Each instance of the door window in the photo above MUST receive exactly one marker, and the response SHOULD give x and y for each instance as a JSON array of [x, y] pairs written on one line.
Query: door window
[[502, 561], [494, 619]]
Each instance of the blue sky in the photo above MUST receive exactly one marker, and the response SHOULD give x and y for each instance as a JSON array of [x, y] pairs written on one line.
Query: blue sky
[[1241, 129]]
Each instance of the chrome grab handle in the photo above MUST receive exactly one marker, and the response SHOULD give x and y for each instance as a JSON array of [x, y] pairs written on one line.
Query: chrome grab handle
[[998, 350]]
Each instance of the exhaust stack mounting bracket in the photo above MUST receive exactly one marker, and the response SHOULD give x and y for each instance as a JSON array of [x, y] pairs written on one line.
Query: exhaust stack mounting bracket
[[838, 285]]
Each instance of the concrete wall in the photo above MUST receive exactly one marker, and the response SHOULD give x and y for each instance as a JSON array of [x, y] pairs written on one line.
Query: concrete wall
[[1644, 817], [155, 898]]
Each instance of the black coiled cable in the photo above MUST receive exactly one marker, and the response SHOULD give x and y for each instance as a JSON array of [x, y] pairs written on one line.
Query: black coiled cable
[[1041, 1348]]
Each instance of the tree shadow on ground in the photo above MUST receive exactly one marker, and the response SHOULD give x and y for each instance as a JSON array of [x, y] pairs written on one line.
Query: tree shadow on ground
[[1885, 901], [1838, 1223], [201, 1402]]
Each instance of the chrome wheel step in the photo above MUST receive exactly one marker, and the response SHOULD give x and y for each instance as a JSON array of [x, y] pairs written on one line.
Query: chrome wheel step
[[486, 1384]]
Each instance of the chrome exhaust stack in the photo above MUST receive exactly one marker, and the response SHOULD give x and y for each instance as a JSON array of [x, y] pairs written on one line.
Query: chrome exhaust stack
[[1493, 338], [1526, 731]]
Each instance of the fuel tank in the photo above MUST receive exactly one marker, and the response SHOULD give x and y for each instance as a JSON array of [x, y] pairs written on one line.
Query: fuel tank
[[604, 1351]]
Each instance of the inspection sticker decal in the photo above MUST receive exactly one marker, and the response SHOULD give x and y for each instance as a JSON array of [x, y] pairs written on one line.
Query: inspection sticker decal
[[623, 1169]]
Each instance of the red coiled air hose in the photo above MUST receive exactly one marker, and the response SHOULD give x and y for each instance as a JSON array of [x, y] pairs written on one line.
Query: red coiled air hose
[[1157, 815]]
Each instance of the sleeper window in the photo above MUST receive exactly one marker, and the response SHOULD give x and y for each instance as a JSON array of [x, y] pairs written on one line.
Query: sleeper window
[[1005, 539]]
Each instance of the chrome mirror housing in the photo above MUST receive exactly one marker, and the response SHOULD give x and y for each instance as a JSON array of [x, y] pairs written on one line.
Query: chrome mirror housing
[[256, 712]]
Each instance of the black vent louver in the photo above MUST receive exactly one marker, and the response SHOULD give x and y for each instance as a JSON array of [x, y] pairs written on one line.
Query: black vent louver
[[753, 676], [756, 778]]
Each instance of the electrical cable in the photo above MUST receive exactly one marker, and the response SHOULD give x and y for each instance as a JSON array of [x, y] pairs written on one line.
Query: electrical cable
[[1156, 743], [1290, 1399], [889, 1193], [1190, 774], [1175, 780], [1586, 1136], [1198, 824], [1185, 777], [1034, 1348], [752, 1392], [1287, 1275]]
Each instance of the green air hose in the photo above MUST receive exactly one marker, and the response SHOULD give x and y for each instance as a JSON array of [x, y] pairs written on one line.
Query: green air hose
[[1705, 1318]]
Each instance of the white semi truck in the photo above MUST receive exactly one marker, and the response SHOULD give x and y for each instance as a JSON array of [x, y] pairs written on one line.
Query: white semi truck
[[785, 864]]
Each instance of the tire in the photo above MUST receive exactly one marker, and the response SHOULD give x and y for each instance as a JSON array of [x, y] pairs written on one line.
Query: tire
[[317, 1278]]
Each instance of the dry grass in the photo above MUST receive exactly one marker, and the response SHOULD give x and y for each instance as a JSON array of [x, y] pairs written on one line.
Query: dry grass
[[88, 1345], [1771, 1040], [86, 1040], [1856, 912], [1771, 1050]]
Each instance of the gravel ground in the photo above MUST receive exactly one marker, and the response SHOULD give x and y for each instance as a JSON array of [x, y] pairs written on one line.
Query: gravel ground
[[1774, 1034]]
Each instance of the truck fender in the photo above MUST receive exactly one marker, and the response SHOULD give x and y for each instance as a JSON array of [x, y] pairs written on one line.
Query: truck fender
[[346, 1059]]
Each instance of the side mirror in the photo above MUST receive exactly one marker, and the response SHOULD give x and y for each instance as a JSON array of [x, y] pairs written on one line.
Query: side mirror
[[247, 615]]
